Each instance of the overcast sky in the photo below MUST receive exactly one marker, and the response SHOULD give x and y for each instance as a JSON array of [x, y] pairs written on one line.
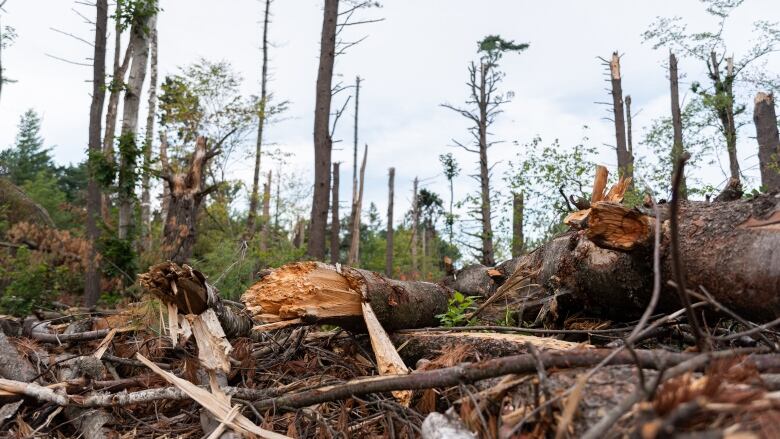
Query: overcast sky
[[413, 61]]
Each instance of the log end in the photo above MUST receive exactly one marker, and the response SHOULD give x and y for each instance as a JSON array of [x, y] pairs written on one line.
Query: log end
[[614, 226]]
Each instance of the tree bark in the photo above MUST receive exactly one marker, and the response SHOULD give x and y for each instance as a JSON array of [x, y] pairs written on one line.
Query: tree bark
[[724, 108], [254, 199], [335, 241], [389, 237], [354, 245], [415, 226], [677, 145], [266, 231], [186, 193], [625, 165], [146, 202], [323, 143], [139, 39], [312, 292], [355, 158], [765, 119], [165, 166], [92, 275], [629, 133], [518, 240], [488, 255]]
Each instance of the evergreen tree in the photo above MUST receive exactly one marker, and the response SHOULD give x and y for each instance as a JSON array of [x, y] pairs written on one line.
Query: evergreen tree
[[27, 157]]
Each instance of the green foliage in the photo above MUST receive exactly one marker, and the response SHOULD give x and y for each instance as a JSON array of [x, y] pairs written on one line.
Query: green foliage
[[129, 153], [542, 172], [28, 156], [457, 310], [45, 190], [119, 257], [28, 280], [493, 46], [134, 12]]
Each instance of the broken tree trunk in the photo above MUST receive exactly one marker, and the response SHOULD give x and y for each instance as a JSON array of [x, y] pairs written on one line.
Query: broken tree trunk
[[677, 146], [624, 159], [389, 248], [186, 192], [335, 241], [765, 119], [518, 241], [312, 292], [354, 245]]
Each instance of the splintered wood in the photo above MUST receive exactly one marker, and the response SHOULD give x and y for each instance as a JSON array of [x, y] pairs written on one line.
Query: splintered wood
[[302, 291], [608, 204], [614, 226]]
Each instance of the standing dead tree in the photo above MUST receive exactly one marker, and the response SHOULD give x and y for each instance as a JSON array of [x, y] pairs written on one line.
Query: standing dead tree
[[677, 146], [146, 202], [354, 214], [624, 157], [92, 276], [254, 199], [186, 191], [484, 104], [415, 227], [265, 232], [389, 238], [518, 240], [765, 119], [144, 16], [335, 241], [354, 245]]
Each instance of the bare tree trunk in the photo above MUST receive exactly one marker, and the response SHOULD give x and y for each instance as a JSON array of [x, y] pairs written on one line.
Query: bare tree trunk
[[629, 133], [335, 242], [266, 231], [146, 204], [677, 146], [164, 165], [254, 198], [765, 119], [625, 166], [323, 143], [185, 197], [299, 232], [389, 232], [353, 207], [92, 276], [488, 257], [139, 39], [115, 92], [415, 226], [278, 199], [518, 241], [354, 245], [725, 113]]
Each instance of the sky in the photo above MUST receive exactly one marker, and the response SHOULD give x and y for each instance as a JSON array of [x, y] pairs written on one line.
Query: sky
[[411, 62]]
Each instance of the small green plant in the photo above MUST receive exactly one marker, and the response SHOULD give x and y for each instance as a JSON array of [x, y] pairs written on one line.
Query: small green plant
[[457, 310]]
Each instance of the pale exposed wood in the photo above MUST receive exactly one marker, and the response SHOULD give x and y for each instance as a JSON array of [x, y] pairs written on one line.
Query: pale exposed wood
[[173, 321], [387, 359], [599, 183], [103, 346], [213, 404], [213, 347], [32, 390], [614, 226]]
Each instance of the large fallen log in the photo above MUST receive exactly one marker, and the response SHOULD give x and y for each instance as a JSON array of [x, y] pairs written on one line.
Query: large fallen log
[[312, 292]]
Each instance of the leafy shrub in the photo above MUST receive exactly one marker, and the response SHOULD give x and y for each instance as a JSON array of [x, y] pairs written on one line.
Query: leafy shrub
[[457, 310]]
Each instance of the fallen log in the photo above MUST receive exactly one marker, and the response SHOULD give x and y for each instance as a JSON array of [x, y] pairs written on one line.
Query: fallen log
[[312, 292]]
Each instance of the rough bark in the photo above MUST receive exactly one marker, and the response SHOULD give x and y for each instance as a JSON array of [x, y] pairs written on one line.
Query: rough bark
[[323, 144], [415, 226], [629, 132], [335, 240], [354, 245], [165, 166], [139, 39], [92, 276], [677, 145], [623, 158], [312, 292], [12, 365], [518, 241], [186, 193], [146, 201], [265, 233], [254, 199], [389, 237], [765, 119], [488, 256]]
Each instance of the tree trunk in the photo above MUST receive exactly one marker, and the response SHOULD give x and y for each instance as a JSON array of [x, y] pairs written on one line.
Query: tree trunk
[[335, 241], [92, 275], [128, 148], [354, 245], [353, 208], [629, 133], [323, 143], [415, 226], [146, 202], [625, 165], [677, 146], [115, 88], [299, 233], [185, 197], [165, 166], [389, 237], [312, 292], [765, 119], [724, 109], [488, 255], [518, 241], [254, 199], [266, 231]]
